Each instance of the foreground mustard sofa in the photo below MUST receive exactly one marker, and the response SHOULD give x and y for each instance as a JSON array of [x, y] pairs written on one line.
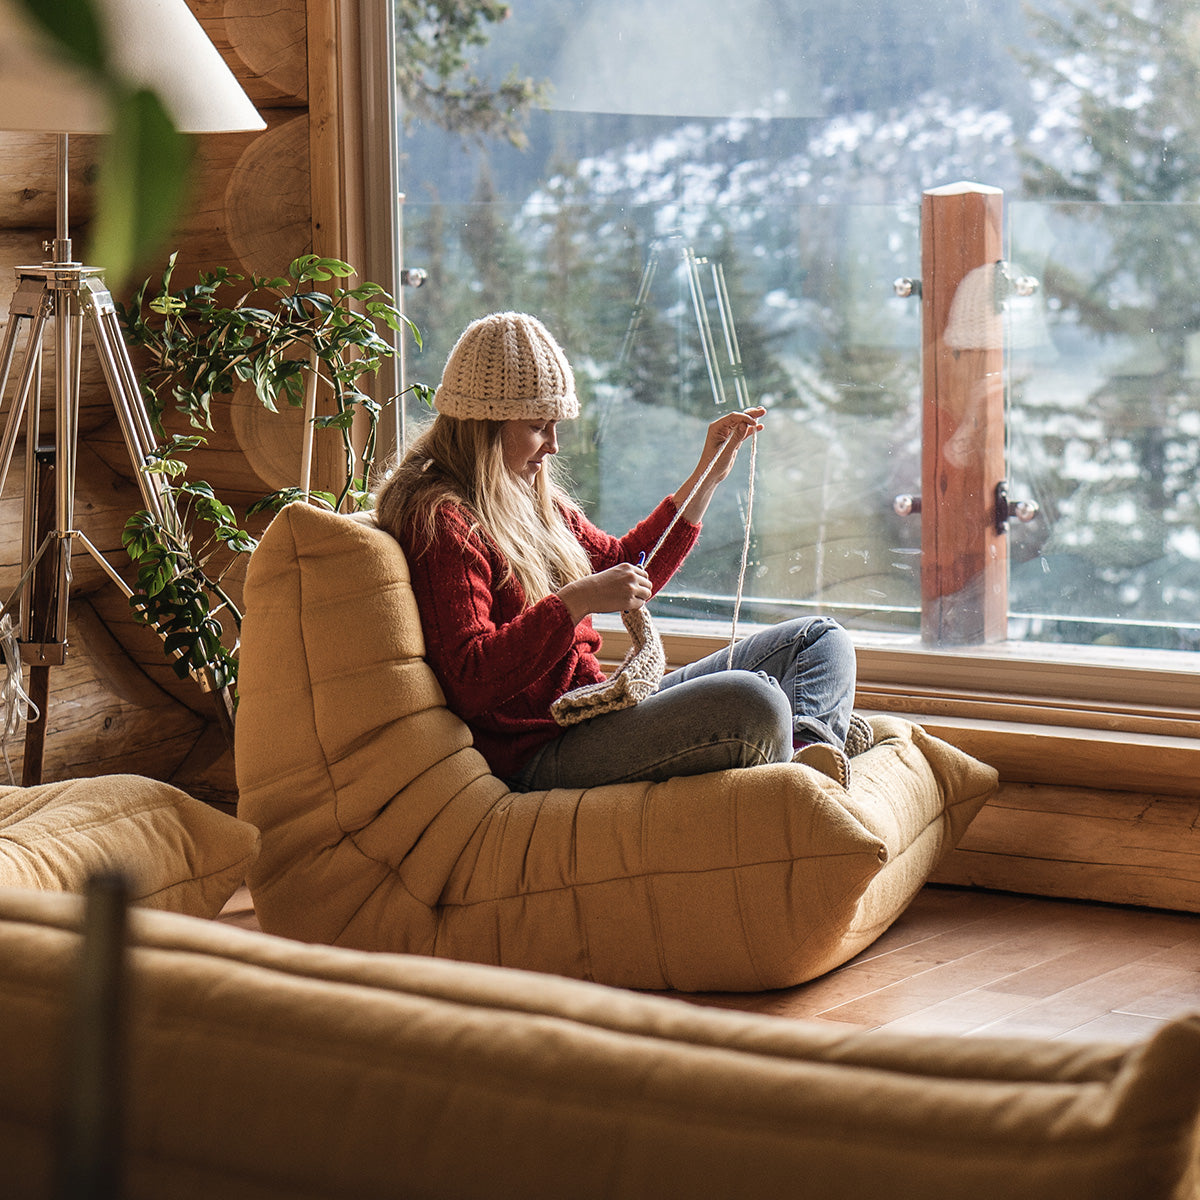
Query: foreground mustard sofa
[[383, 829], [254, 1068]]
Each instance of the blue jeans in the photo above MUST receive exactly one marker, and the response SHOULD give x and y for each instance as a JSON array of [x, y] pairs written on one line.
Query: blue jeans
[[793, 682]]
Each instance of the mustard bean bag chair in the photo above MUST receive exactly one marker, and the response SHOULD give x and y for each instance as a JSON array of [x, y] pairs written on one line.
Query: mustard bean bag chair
[[383, 829]]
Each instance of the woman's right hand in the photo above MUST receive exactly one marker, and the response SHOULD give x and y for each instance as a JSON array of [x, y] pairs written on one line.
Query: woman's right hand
[[622, 587]]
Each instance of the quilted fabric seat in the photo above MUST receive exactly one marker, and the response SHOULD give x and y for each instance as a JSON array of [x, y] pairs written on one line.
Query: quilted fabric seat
[[259, 1069], [383, 829]]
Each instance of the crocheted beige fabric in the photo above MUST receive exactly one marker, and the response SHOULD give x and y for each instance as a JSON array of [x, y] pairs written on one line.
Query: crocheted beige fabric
[[506, 367], [636, 678]]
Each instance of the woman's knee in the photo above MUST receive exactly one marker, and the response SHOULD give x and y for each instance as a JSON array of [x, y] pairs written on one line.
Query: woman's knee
[[805, 631], [759, 707], [824, 638]]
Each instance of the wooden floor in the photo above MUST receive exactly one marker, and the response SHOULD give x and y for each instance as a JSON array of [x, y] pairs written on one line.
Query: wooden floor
[[961, 961]]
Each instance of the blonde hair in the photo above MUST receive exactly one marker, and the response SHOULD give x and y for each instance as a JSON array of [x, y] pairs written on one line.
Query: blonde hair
[[461, 462]]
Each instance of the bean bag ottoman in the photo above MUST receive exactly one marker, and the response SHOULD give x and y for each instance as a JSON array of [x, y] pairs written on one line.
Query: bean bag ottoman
[[178, 853], [382, 827]]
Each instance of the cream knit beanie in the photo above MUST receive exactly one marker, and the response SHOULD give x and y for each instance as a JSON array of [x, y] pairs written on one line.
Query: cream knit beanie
[[504, 367]]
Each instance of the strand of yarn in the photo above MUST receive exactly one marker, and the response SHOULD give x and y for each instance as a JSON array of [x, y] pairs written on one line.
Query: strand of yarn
[[737, 601], [679, 511], [741, 579]]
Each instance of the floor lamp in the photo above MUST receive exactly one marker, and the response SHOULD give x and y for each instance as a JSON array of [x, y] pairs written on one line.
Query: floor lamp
[[155, 44]]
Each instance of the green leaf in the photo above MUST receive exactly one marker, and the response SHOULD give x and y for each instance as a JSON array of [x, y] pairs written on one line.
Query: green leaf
[[200, 488], [142, 181], [423, 392], [390, 316], [291, 495], [266, 398], [416, 333], [215, 512], [305, 268], [170, 467], [155, 578], [341, 420], [310, 267], [140, 532], [238, 540], [166, 305], [223, 274], [168, 271], [74, 26], [181, 643], [318, 302], [178, 443]]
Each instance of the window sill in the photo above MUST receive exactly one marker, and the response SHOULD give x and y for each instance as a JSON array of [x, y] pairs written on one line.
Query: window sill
[[1066, 756], [1081, 717]]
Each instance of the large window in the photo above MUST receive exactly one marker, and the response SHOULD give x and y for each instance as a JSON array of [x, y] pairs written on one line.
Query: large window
[[713, 212]]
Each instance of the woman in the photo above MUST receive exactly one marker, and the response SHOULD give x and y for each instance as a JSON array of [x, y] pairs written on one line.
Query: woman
[[507, 572]]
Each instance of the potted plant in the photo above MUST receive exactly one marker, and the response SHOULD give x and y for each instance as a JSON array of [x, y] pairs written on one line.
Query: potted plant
[[287, 336]]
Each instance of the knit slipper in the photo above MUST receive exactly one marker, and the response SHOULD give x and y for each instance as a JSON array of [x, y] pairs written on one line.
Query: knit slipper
[[860, 737], [827, 759]]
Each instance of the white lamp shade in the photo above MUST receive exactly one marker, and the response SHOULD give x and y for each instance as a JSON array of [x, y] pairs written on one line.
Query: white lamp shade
[[156, 44]]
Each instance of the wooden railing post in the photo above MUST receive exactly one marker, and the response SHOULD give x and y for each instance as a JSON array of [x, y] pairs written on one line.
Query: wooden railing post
[[964, 564]]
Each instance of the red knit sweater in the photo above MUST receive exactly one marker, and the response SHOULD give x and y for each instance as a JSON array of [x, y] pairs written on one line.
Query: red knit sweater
[[500, 662]]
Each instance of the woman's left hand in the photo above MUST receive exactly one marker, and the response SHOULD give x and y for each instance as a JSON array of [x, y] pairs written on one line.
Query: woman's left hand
[[725, 435], [724, 438]]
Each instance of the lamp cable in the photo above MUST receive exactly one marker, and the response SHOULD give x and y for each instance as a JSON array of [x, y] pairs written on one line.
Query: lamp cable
[[16, 706]]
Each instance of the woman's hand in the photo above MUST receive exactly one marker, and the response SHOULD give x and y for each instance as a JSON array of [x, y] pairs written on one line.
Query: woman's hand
[[724, 438], [722, 441], [624, 586]]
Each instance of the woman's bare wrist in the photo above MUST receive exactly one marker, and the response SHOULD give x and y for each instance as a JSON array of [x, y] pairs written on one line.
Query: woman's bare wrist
[[573, 602]]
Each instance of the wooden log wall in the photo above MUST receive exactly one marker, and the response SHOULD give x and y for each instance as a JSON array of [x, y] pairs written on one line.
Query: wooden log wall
[[1083, 844], [116, 705]]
